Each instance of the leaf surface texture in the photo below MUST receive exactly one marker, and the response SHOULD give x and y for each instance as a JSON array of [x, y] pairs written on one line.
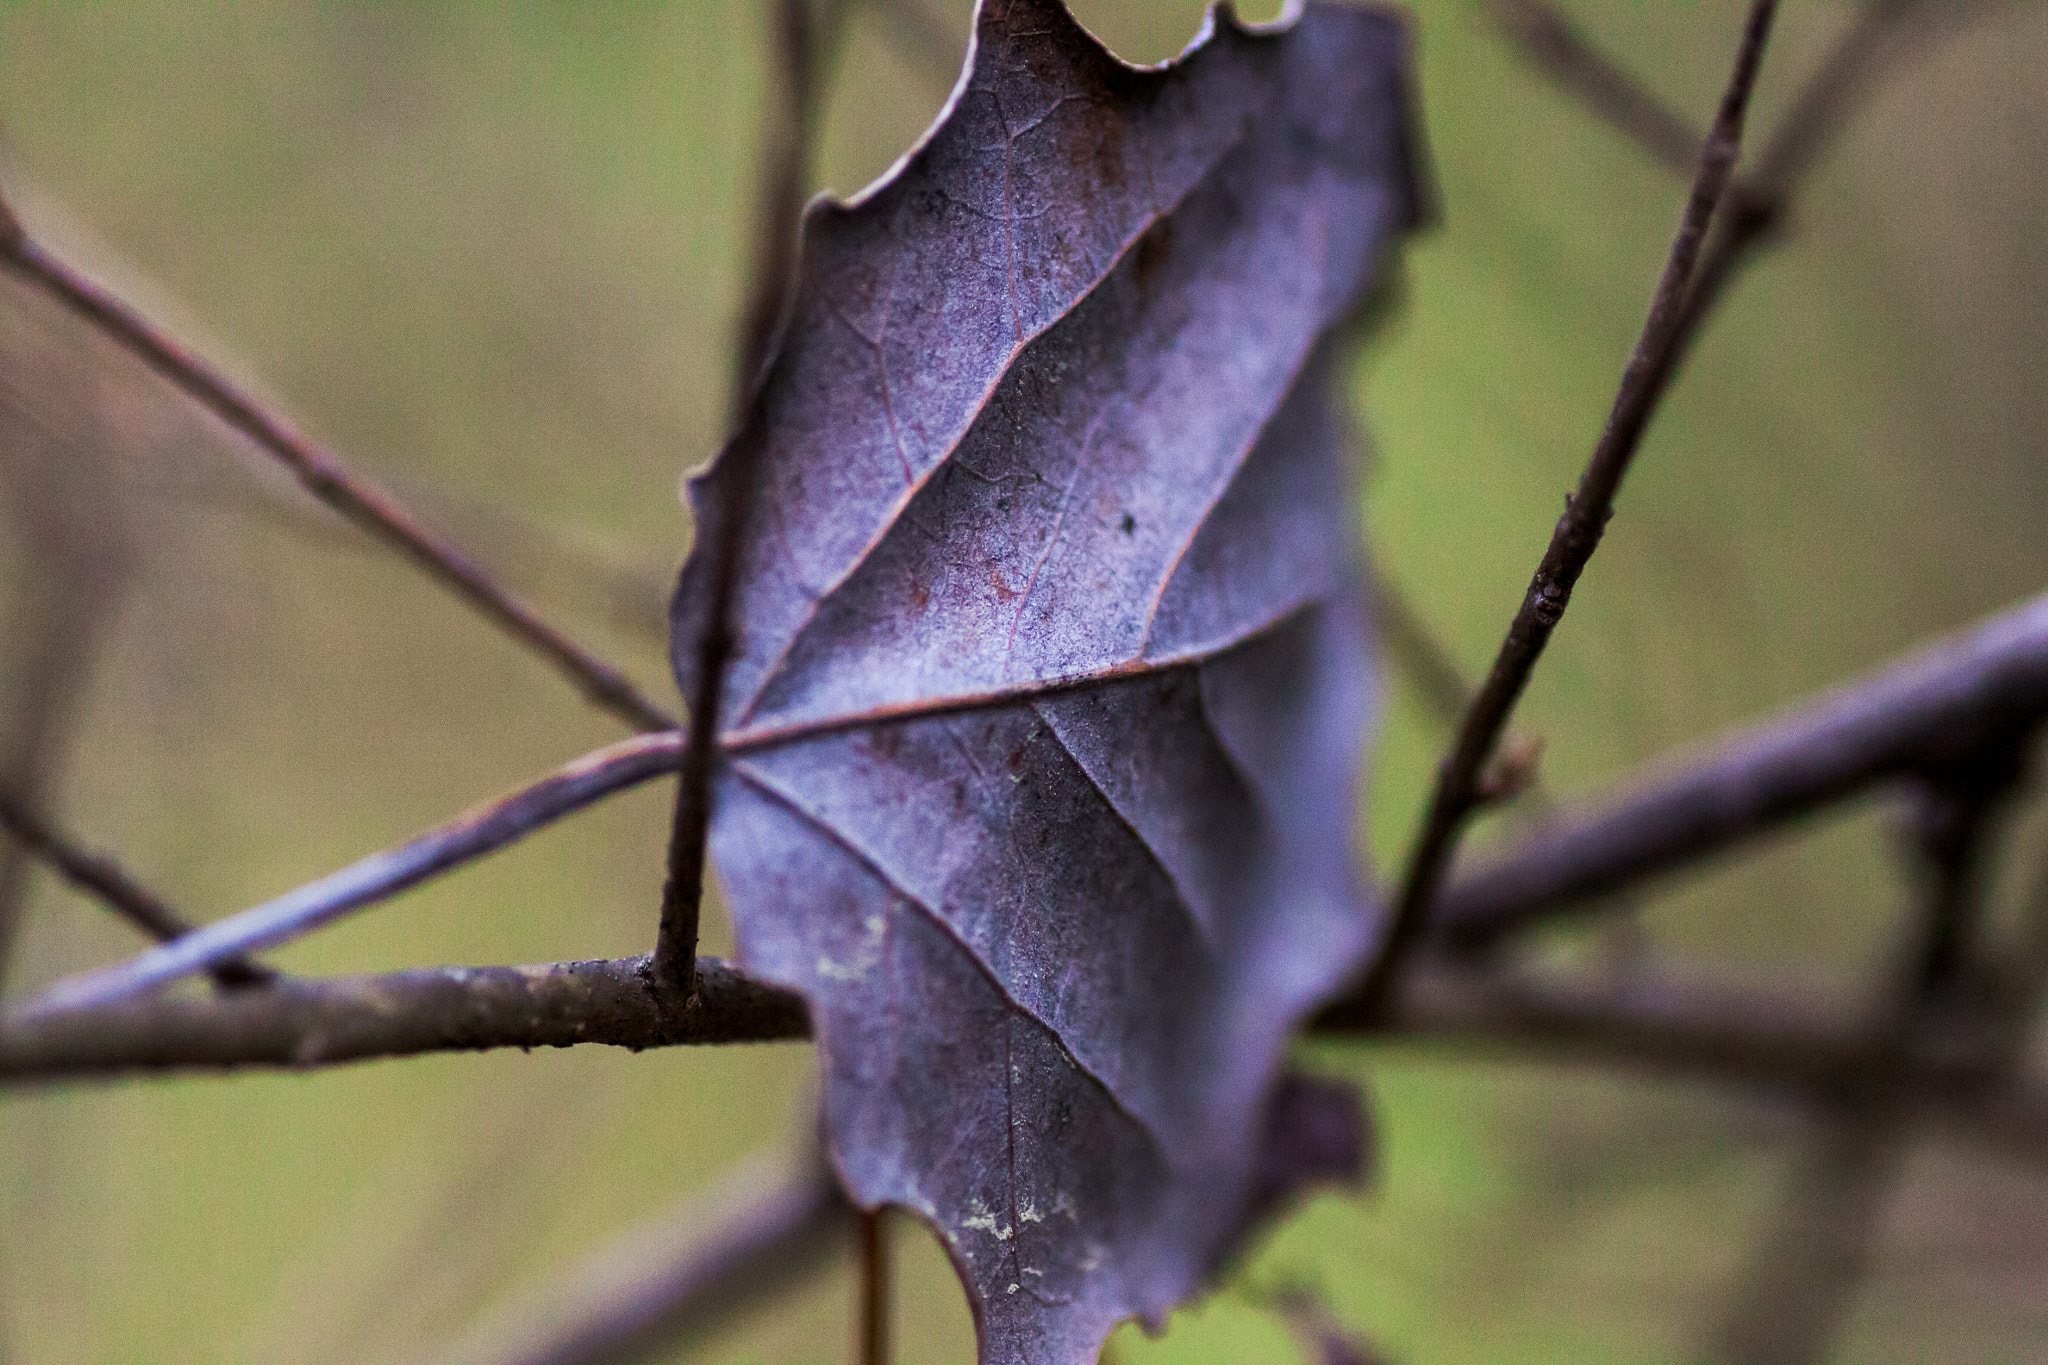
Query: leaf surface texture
[[1040, 741]]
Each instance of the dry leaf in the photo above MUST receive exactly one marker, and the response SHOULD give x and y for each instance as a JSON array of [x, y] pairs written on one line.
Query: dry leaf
[[1040, 744]]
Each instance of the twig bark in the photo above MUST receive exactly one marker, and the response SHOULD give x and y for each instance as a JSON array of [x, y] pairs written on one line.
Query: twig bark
[[1662, 1024], [1428, 665], [1761, 202], [1829, 96], [1578, 532], [1672, 1024], [871, 1251], [378, 877], [106, 881], [1959, 808], [705, 628], [302, 1023], [326, 477], [1931, 710], [806, 32], [1927, 711], [1549, 39]]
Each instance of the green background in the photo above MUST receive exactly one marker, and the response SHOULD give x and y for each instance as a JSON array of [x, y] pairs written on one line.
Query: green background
[[495, 256]]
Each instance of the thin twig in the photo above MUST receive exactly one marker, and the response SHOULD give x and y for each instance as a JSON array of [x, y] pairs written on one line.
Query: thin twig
[[301, 1022], [1930, 710], [325, 476], [1755, 204], [1790, 1302], [378, 877], [1799, 1287], [1554, 44], [82, 557], [663, 1286], [1549, 39], [1959, 810], [1924, 712], [109, 883], [871, 1253], [1669, 1023], [1438, 680], [1825, 101], [806, 31], [1428, 665], [57, 658], [1578, 532], [624, 588], [1318, 1332], [1662, 1024], [2020, 984], [1761, 202], [705, 627]]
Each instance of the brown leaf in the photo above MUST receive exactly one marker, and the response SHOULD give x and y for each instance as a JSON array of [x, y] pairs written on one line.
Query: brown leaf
[[1040, 739]]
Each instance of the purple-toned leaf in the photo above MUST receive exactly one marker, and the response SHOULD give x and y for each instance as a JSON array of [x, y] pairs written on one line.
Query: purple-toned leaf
[[1040, 740]]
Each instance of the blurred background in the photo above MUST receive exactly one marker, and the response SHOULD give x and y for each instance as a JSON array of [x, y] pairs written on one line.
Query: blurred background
[[495, 257]]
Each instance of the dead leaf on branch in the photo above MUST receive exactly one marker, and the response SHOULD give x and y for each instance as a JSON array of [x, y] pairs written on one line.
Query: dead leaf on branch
[[1040, 741]]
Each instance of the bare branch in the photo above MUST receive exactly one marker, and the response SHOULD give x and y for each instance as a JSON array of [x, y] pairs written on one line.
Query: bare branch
[[56, 657], [806, 31], [704, 626], [81, 559], [1758, 202], [618, 585], [1669, 1024], [1578, 532], [325, 476], [106, 881], [1762, 199], [1789, 1304], [660, 1287], [1318, 1332], [1662, 1024], [1555, 45], [1920, 714], [1665, 1022], [1792, 1300], [1550, 41], [1756, 207], [301, 1023], [378, 877], [1929, 711], [2018, 987], [1958, 810], [1513, 772], [871, 1254], [1823, 105]]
